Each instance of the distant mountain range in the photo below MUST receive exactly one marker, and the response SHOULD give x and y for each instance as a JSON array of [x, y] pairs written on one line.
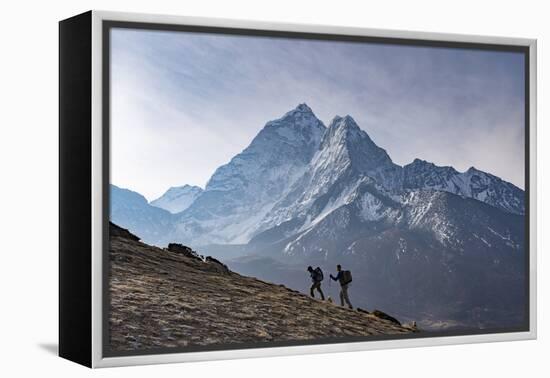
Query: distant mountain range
[[177, 199], [428, 243]]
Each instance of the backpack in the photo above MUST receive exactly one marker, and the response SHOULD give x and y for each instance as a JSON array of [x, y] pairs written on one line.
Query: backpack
[[318, 274], [346, 277]]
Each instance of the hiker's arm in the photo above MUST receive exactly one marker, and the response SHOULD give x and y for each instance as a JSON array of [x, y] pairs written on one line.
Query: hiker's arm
[[333, 278]]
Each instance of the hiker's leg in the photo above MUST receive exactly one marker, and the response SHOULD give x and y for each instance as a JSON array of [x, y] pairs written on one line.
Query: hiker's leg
[[311, 290], [321, 292], [341, 296], [346, 296]]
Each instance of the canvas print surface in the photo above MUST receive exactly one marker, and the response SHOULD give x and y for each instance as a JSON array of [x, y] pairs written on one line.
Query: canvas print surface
[[269, 191]]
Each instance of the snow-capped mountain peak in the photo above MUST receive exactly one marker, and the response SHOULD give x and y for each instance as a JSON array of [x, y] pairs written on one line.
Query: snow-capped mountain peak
[[362, 150], [241, 192], [346, 122], [298, 118], [347, 142], [346, 156], [343, 130], [301, 108], [298, 127], [177, 198], [291, 139]]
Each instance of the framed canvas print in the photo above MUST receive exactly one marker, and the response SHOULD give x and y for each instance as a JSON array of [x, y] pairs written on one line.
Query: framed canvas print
[[236, 189]]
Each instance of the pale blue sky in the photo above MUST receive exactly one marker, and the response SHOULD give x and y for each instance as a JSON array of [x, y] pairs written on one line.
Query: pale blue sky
[[185, 103]]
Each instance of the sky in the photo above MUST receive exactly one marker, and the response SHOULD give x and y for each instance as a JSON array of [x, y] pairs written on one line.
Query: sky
[[182, 103]]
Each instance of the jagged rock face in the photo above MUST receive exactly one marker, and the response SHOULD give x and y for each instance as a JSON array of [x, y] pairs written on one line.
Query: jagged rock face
[[177, 199], [422, 174], [161, 299]]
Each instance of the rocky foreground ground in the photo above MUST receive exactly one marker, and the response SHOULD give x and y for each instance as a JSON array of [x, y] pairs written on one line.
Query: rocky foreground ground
[[170, 298]]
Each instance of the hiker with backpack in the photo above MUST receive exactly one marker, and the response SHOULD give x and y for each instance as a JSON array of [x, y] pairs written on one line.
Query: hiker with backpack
[[344, 277], [316, 278]]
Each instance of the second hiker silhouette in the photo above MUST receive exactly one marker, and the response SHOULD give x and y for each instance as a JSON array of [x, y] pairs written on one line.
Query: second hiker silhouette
[[316, 278], [344, 277]]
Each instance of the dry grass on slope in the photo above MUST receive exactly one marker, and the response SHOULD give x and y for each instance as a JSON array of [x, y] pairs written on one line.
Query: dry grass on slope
[[163, 299]]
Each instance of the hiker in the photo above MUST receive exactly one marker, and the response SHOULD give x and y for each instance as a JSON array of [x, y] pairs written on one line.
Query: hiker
[[316, 277], [344, 277]]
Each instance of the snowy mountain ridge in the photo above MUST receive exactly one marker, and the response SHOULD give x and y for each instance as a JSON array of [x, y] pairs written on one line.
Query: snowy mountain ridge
[[176, 199], [472, 183]]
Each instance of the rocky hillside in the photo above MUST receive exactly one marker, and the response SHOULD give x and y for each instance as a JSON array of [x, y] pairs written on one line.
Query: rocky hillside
[[175, 298]]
